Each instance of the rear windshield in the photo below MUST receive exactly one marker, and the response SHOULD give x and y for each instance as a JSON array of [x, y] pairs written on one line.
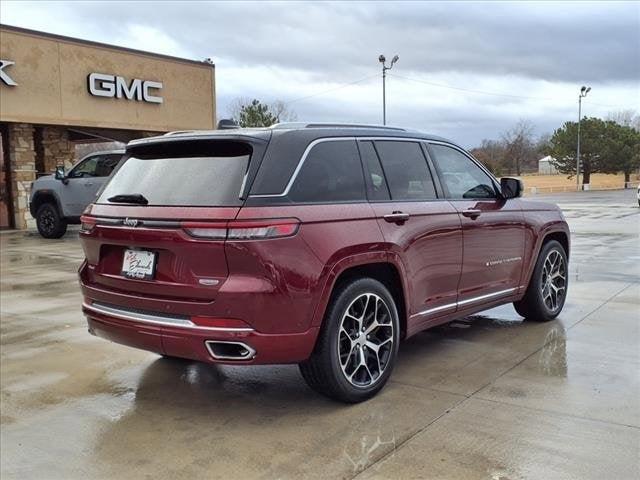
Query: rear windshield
[[207, 180]]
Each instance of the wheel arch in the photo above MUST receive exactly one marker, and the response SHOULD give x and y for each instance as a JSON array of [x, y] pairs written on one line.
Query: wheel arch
[[42, 197], [560, 235], [380, 267]]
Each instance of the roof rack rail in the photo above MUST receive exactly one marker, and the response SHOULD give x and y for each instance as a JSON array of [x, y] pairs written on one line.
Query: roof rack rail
[[294, 125], [178, 132]]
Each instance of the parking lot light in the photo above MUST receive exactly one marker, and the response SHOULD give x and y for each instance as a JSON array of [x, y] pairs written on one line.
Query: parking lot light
[[382, 59], [583, 93]]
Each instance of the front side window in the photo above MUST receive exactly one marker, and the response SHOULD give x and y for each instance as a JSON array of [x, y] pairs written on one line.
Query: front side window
[[86, 168], [406, 170], [331, 172], [460, 176]]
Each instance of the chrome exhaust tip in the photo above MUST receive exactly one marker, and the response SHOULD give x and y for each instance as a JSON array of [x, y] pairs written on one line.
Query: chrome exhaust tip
[[221, 350]]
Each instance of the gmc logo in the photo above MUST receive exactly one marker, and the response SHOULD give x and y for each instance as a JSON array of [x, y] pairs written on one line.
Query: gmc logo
[[105, 85]]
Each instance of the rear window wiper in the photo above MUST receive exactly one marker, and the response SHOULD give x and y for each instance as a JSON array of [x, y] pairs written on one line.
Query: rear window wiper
[[129, 198]]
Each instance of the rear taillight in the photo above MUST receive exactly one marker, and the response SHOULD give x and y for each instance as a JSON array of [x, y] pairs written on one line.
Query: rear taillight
[[243, 230], [264, 231], [87, 224], [211, 233]]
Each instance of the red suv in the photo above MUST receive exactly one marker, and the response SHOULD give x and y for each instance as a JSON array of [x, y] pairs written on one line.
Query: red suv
[[322, 245]]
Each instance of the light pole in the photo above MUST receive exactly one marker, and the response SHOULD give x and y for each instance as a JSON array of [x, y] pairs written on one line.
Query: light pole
[[583, 93], [383, 60]]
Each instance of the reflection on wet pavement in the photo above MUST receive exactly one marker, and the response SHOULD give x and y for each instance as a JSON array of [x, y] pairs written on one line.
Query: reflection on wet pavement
[[488, 396]]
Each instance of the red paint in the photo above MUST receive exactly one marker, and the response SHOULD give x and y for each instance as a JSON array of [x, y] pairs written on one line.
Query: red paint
[[280, 287]]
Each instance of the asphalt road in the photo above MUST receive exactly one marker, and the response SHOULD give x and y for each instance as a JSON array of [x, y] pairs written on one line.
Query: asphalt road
[[489, 397]]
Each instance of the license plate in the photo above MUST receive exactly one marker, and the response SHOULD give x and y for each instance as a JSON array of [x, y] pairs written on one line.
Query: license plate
[[139, 264]]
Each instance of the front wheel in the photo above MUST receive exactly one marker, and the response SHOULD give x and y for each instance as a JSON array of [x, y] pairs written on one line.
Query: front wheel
[[49, 222], [358, 343], [547, 290]]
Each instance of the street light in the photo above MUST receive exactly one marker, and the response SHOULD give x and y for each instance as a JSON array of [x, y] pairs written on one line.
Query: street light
[[583, 93], [383, 60]]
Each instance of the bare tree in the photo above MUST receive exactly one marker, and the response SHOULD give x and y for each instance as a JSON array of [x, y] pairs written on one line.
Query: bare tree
[[492, 154], [626, 118], [520, 150], [282, 112], [235, 107]]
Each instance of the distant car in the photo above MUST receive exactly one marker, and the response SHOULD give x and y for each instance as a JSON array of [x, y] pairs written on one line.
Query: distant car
[[58, 200], [638, 194], [322, 245]]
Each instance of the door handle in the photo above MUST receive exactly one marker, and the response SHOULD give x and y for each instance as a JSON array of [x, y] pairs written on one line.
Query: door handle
[[471, 213], [88, 184], [396, 217]]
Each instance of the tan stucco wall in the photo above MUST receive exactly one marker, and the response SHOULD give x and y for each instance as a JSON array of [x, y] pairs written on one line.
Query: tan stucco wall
[[51, 74]]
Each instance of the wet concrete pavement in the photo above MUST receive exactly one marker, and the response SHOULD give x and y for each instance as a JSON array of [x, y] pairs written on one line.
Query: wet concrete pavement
[[489, 397]]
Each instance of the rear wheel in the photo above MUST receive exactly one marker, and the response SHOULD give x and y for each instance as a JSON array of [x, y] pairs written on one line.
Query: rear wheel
[[49, 222], [547, 290], [358, 344]]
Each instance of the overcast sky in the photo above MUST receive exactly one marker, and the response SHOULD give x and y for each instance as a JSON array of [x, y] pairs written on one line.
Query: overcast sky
[[305, 54]]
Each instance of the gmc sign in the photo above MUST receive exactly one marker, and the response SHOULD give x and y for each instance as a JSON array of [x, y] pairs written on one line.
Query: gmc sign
[[105, 85]]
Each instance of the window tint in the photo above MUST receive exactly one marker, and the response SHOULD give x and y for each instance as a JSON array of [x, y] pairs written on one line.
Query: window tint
[[376, 183], [461, 177], [86, 168], [106, 164], [331, 172], [406, 170], [184, 181]]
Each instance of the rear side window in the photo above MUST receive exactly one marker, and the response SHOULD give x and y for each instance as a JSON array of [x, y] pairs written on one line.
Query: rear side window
[[214, 179], [376, 183], [331, 172], [106, 164], [406, 170]]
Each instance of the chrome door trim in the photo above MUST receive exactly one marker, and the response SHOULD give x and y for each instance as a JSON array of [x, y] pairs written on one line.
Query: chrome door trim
[[487, 296], [300, 163], [333, 139], [464, 302]]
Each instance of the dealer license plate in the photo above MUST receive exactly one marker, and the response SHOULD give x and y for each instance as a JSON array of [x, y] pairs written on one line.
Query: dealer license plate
[[139, 264]]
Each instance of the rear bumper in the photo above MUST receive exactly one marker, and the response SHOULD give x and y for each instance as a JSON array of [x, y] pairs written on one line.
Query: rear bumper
[[190, 343]]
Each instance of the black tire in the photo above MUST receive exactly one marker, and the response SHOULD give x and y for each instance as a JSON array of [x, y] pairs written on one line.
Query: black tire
[[50, 223], [323, 371], [533, 305]]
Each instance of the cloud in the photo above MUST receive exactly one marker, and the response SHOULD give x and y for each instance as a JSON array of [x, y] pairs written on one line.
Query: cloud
[[291, 50]]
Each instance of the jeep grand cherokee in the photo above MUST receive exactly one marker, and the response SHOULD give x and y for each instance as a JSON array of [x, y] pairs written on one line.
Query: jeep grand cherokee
[[322, 245]]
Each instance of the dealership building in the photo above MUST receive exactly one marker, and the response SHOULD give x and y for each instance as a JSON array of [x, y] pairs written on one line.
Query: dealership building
[[56, 92]]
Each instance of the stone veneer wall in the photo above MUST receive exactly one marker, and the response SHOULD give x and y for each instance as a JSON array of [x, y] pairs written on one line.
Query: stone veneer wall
[[22, 157], [57, 148]]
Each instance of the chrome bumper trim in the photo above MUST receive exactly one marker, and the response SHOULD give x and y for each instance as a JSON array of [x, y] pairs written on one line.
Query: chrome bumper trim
[[162, 320]]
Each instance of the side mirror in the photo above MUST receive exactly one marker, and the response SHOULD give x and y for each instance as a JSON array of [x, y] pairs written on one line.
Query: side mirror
[[511, 187], [60, 172]]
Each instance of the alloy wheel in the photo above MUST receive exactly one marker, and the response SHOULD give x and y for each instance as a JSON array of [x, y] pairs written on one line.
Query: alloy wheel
[[553, 283], [365, 340]]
